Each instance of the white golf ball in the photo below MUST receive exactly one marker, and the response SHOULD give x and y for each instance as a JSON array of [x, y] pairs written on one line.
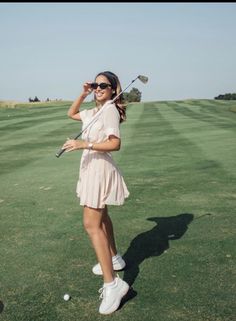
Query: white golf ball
[[66, 297]]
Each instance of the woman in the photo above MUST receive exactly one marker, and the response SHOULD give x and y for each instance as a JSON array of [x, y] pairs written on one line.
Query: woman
[[100, 182]]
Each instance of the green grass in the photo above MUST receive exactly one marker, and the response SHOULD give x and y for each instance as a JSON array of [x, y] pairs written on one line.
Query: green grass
[[176, 230]]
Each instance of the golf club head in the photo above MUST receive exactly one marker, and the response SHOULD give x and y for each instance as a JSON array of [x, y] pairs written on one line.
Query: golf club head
[[142, 78]]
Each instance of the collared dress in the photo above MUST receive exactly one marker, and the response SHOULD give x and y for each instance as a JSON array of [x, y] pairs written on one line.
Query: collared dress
[[100, 181]]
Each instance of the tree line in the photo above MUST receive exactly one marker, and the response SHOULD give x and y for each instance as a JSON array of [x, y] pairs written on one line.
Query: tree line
[[129, 97], [36, 99], [228, 96]]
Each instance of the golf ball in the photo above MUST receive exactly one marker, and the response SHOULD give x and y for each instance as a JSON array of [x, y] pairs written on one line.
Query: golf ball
[[171, 236], [66, 297]]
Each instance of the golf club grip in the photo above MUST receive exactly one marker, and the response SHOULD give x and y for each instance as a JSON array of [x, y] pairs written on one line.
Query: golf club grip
[[60, 152]]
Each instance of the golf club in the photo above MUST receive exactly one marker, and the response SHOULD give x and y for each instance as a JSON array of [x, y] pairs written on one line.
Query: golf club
[[142, 78]]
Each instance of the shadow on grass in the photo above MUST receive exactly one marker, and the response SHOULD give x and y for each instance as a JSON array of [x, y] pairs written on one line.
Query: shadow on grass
[[154, 242], [1, 306]]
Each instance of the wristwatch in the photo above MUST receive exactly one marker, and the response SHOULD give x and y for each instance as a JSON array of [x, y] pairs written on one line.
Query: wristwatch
[[90, 146]]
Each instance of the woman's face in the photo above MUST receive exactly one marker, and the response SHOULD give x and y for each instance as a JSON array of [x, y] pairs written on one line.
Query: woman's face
[[102, 95]]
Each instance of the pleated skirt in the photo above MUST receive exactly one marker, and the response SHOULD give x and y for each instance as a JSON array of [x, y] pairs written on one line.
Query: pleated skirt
[[100, 181]]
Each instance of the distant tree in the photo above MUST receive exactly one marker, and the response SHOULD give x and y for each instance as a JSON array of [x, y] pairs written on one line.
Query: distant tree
[[33, 100], [219, 97], [125, 96], [133, 96]]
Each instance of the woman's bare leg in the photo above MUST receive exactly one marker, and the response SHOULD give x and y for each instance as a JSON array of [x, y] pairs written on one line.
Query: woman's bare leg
[[93, 219], [108, 230]]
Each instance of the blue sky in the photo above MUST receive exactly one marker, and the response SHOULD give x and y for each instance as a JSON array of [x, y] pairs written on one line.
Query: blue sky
[[188, 50]]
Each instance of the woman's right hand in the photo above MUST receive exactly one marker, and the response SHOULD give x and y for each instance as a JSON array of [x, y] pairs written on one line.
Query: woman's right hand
[[87, 88], [72, 144]]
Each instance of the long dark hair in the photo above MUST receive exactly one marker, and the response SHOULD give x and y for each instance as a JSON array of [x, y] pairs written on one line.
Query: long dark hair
[[116, 86]]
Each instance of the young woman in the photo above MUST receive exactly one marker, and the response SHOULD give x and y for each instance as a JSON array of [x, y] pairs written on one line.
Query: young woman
[[100, 181]]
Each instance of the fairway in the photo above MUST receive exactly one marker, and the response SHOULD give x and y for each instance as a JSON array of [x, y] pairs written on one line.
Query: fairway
[[176, 230]]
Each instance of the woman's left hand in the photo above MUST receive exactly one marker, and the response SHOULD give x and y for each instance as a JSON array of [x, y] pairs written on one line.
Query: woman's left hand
[[72, 144]]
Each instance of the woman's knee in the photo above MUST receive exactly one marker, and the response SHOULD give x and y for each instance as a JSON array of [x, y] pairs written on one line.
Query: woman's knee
[[92, 220], [88, 225]]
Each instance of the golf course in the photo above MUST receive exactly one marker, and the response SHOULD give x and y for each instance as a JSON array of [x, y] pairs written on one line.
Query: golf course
[[176, 231]]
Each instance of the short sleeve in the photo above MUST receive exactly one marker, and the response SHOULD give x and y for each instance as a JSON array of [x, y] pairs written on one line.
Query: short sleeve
[[87, 114], [111, 121]]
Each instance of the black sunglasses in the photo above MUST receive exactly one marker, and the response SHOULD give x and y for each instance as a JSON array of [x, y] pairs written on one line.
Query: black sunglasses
[[102, 85]]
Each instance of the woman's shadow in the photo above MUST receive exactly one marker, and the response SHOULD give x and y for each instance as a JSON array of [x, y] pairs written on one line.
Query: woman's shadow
[[154, 242]]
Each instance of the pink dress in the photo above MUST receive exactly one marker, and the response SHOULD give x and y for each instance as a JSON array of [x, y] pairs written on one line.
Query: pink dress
[[100, 181]]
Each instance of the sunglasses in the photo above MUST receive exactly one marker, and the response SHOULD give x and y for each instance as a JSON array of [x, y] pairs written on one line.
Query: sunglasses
[[102, 85]]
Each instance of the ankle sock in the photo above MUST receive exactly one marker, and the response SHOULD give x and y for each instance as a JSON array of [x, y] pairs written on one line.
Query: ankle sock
[[114, 258], [110, 283]]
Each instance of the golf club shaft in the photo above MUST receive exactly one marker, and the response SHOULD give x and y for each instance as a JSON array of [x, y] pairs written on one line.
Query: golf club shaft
[[62, 150]]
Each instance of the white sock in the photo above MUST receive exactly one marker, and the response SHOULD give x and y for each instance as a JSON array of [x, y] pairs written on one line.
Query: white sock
[[110, 283], [114, 258]]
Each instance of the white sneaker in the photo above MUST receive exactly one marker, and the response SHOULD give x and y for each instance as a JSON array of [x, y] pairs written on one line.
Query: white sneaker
[[117, 261], [112, 295]]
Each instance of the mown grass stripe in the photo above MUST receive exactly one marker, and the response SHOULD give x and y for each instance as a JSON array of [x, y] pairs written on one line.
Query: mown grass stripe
[[209, 115], [216, 143]]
